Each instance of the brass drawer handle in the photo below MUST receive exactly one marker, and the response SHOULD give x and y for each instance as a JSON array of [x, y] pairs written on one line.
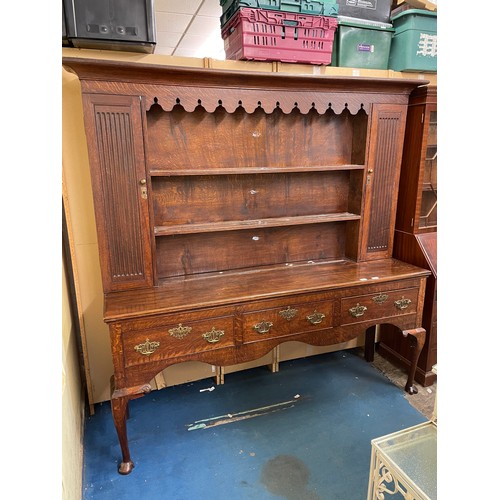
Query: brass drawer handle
[[288, 313], [179, 332], [263, 327], [213, 335], [380, 298], [358, 310], [147, 348], [315, 318], [402, 303]]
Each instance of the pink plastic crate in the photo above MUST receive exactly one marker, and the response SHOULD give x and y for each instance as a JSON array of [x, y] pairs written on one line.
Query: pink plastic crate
[[265, 35]]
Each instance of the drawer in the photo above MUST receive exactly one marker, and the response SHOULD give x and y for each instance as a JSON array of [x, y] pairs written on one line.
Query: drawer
[[379, 305], [177, 339], [289, 320]]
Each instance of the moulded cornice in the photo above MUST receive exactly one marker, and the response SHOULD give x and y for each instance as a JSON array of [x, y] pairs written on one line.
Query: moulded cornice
[[211, 88]]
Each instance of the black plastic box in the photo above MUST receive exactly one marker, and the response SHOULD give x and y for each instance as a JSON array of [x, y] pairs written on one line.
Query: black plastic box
[[111, 24], [372, 10]]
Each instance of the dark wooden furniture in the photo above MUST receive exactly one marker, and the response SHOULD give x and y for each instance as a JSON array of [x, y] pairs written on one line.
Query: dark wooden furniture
[[415, 239], [236, 211]]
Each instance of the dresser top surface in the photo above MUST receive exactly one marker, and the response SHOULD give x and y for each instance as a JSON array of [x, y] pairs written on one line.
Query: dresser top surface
[[216, 289]]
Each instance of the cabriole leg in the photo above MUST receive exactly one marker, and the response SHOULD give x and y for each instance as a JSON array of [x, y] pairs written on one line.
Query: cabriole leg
[[119, 409], [416, 338]]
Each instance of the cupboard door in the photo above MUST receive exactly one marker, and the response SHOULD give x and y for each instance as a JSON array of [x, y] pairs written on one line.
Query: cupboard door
[[382, 180], [119, 185]]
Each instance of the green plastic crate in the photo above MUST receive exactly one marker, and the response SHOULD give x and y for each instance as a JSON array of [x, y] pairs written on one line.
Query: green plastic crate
[[328, 8], [359, 44], [414, 46]]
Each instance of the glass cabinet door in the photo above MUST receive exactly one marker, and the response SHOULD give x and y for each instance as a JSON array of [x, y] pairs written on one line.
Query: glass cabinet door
[[428, 209]]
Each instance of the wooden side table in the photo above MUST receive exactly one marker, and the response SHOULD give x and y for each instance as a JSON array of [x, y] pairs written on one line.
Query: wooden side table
[[404, 464]]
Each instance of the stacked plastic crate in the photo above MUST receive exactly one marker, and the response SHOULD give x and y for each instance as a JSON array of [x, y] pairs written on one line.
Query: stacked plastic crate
[[414, 46], [364, 34], [371, 35], [295, 31]]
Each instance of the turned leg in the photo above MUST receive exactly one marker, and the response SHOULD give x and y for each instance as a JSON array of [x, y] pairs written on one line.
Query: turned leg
[[370, 344], [416, 338], [119, 409]]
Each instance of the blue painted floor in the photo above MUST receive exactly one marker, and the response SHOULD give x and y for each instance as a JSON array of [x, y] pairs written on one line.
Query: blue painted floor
[[303, 433]]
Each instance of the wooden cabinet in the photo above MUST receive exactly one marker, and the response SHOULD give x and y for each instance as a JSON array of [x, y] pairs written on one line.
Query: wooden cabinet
[[237, 210], [417, 203], [415, 239]]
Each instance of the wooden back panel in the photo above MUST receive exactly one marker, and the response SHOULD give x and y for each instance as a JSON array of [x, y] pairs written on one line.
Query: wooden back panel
[[189, 254], [216, 198], [198, 218], [200, 140]]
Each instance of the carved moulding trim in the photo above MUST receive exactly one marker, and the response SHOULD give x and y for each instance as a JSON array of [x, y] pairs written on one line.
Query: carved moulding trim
[[251, 100]]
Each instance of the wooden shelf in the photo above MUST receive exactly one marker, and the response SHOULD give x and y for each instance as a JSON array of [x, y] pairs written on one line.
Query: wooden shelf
[[252, 170], [210, 227]]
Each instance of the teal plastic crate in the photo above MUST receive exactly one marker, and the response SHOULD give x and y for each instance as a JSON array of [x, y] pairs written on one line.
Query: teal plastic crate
[[414, 45], [327, 8], [361, 44]]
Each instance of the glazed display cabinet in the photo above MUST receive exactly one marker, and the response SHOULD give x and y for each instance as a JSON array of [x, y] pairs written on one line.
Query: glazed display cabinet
[[415, 239], [237, 210]]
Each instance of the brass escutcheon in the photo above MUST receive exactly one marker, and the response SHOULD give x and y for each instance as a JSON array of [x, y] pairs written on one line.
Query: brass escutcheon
[[213, 335], [288, 313], [179, 332], [380, 298], [402, 303], [263, 326], [144, 189], [315, 318], [357, 311], [147, 348]]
